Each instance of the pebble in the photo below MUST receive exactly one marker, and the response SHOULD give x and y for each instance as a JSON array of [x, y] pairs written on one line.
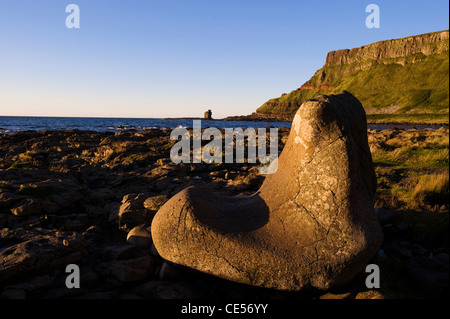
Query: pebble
[[140, 237]]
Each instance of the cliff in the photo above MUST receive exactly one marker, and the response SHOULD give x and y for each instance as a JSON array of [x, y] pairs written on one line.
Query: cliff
[[402, 76], [427, 44]]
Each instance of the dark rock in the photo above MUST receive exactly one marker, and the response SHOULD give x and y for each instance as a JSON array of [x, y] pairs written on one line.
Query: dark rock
[[170, 290], [118, 252], [384, 216], [8, 199], [429, 276], [38, 251], [132, 212], [253, 180], [27, 207], [370, 294], [231, 175], [399, 248], [336, 296], [169, 272], [154, 203], [129, 270]]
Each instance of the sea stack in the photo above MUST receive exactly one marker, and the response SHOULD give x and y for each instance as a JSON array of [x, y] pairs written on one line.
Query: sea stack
[[310, 225], [208, 115]]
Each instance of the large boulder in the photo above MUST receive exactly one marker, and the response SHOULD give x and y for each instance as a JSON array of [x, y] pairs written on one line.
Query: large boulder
[[311, 224]]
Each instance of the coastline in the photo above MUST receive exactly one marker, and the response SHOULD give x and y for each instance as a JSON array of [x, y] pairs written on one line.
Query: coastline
[[370, 125], [9, 125], [380, 123]]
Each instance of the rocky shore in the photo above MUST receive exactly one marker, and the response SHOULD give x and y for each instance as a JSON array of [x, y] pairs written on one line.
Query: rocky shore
[[258, 117], [88, 198]]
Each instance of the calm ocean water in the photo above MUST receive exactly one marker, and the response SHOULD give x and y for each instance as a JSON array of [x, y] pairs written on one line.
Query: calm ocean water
[[10, 124]]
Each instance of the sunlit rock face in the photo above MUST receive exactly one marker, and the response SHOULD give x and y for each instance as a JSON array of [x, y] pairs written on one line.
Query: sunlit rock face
[[310, 225]]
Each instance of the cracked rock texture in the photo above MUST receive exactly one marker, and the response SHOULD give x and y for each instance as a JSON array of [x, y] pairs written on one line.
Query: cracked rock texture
[[310, 225]]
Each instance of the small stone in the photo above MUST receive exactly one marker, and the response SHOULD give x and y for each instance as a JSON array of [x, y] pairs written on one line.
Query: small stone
[[370, 294], [35, 284], [39, 251], [154, 203], [140, 237], [253, 180], [231, 175], [157, 289], [162, 161], [117, 252], [428, 276], [419, 250], [401, 249], [132, 212], [346, 295], [26, 208]]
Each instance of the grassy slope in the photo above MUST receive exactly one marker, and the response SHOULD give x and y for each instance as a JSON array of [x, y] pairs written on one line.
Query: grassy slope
[[421, 84], [412, 168]]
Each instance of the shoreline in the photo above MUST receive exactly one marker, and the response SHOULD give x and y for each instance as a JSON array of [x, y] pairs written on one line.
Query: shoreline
[[8, 126], [370, 126]]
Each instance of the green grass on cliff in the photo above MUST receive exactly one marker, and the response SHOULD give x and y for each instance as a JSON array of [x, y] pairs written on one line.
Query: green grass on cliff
[[420, 86]]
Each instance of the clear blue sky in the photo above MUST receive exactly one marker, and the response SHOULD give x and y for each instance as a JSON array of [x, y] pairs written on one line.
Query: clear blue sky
[[158, 58]]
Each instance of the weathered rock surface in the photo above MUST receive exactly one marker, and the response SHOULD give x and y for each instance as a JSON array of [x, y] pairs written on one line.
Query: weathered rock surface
[[311, 224], [153, 204], [132, 212], [24, 253]]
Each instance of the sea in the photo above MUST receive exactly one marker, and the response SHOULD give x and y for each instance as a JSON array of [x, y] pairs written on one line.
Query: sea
[[11, 124]]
